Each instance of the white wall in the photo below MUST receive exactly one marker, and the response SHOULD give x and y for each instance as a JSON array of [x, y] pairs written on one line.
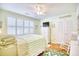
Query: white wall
[[78, 16], [3, 17], [63, 27]]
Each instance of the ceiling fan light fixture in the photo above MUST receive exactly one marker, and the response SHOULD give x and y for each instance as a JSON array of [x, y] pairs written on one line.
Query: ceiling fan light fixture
[[40, 9]]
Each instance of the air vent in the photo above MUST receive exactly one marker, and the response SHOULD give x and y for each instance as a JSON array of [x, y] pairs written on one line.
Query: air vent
[[66, 16]]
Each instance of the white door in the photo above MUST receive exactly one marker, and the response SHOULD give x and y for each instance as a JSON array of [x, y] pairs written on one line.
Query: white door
[[63, 30]]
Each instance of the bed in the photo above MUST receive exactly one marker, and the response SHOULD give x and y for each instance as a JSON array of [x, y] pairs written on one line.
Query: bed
[[24, 45], [30, 45]]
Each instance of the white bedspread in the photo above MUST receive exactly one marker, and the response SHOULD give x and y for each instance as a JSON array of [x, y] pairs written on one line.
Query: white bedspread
[[30, 45], [30, 38]]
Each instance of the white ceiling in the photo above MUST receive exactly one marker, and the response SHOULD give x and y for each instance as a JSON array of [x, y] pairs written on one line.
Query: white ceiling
[[52, 9]]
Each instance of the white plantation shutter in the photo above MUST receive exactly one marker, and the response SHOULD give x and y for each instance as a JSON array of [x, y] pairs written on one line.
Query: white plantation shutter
[[19, 26]]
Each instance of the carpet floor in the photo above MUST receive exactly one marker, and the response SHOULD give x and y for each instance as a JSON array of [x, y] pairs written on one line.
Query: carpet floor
[[55, 50]]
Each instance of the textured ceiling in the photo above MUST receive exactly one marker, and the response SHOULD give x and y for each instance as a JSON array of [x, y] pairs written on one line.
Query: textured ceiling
[[51, 9]]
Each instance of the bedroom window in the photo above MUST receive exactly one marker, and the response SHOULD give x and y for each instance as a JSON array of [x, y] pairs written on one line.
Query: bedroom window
[[11, 23], [19, 26], [26, 27], [31, 27]]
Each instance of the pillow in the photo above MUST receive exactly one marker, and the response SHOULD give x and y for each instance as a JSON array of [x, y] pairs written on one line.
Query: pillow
[[6, 40]]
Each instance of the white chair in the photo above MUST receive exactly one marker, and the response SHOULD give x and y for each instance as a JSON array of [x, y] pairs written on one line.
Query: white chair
[[74, 48]]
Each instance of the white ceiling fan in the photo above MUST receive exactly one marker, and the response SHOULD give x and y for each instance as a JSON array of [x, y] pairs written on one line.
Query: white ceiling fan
[[40, 9]]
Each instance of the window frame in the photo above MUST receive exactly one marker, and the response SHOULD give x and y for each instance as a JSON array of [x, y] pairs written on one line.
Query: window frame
[[23, 26]]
